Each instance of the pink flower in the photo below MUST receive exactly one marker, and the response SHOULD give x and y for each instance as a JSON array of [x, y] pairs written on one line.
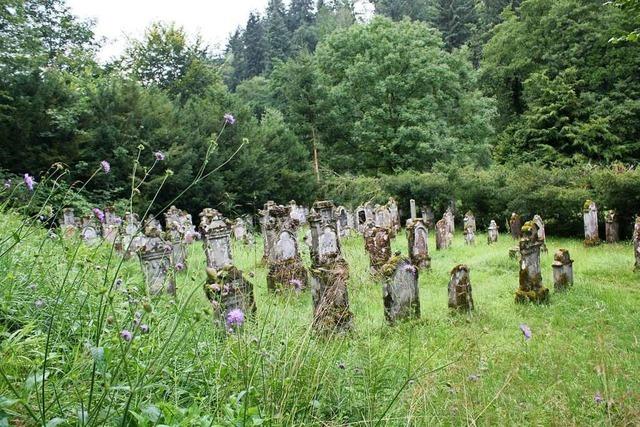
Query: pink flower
[[179, 266], [144, 328], [106, 167], [126, 335], [99, 214], [29, 181], [525, 331], [159, 156], [229, 119], [235, 317]]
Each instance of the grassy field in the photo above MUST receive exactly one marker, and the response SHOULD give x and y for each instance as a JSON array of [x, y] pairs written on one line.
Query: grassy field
[[61, 315]]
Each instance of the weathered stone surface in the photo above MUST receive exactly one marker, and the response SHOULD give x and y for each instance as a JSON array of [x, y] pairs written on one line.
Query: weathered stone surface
[[216, 238], [428, 217], [329, 273], [177, 231], [562, 270], [90, 230], [470, 222], [460, 295], [111, 225], [590, 214], [636, 243], [443, 236], [377, 243], [68, 223], [392, 205], [612, 227], [130, 234], [515, 226], [286, 270], [492, 233], [418, 240], [228, 290], [542, 236], [343, 221], [401, 294], [267, 227], [469, 236], [412, 209], [531, 288], [450, 221], [155, 259], [297, 212]]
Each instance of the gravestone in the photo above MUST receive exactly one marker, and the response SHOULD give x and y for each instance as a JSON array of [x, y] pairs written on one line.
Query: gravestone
[[227, 290], [470, 222], [418, 240], [329, 273], [562, 270], [636, 243], [400, 291], [111, 225], [286, 270], [90, 227], [216, 235], [531, 288], [449, 220], [361, 219], [460, 295], [428, 217], [443, 237], [542, 236], [176, 234], [612, 227], [68, 222], [239, 230], [297, 212], [515, 226], [343, 221], [469, 236], [130, 235], [377, 243], [590, 214], [412, 209], [492, 233], [392, 206], [155, 259], [267, 227]]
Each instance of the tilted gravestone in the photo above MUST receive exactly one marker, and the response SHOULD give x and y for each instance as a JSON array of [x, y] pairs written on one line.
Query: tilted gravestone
[[216, 235], [286, 270], [377, 242], [443, 237], [531, 288], [460, 293], [329, 273], [590, 214], [228, 291], [562, 270], [418, 240], [636, 243], [612, 227], [400, 291], [155, 259], [492, 233], [515, 226]]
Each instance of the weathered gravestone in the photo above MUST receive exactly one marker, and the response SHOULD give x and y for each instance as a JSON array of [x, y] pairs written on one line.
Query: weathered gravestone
[[377, 242], [111, 225], [469, 236], [590, 214], [297, 212], [450, 221], [155, 259], [636, 243], [418, 238], [515, 226], [343, 221], [492, 233], [542, 236], [460, 294], [329, 273], [176, 234], [90, 227], [68, 222], [286, 270], [531, 288], [443, 236], [470, 222], [383, 219], [562, 270], [400, 291], [216, 235], [412, 209], [130, 235], [267, 227], [229, 292], [392, 205], [428, 217], [612, 227]]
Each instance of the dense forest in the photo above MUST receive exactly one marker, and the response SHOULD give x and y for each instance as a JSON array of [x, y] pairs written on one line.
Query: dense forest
[[323, 104]]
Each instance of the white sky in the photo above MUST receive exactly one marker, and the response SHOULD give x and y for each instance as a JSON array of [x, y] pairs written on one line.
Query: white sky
[[119, 20]]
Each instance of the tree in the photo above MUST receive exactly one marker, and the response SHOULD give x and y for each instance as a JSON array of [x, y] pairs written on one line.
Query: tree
[[235, 53], [300, 14], [276, 32], [419, 10], [632, 7], [254, 47], [456, 20]]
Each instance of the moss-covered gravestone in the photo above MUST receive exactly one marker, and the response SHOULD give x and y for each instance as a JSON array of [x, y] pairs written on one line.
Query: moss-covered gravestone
[[329, 273], [286, 270], [542, 235], [492, 233], [470, 222], [176, 233], [392, 205], [449, 219], [216, 237], [562, 270], [230, 295], [612, 227], [377, 242], [155, 259], [460, 293], [590, 214], [515, 226], [531, 288], [418, 240], [443, 237], [400, 290]]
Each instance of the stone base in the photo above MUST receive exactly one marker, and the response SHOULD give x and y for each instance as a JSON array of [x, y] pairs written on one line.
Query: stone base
[[285, 275], [536, 296], [588, 243], [331, 312]]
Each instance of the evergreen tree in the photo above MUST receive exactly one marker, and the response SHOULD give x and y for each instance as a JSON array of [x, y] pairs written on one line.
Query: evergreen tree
[[277, 34], [418, 10], [300, 14], [254, 47], [456, 19], [236, 54]]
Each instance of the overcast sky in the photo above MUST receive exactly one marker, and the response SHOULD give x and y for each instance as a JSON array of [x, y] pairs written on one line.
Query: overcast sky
[[214, 20], [117, 20]]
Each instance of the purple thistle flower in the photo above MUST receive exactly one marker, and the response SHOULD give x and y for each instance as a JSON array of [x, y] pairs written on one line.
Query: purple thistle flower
[[598, 398], [179, 266], [99, 214], [126, 335], [28, 180], [7, 183], [235, 317], [526, 331], [106, 167], [144, 328], [297, 284], [229, 119], [159, 156]]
